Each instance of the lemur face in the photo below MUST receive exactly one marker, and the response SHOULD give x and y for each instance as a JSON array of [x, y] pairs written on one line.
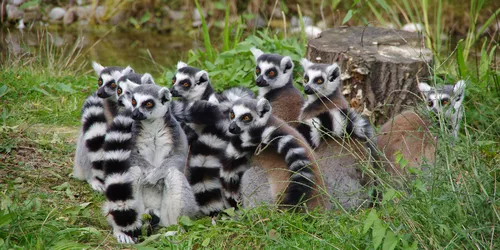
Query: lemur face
[[445, 100], [273, 71], [150, 101], [189, 83], [108, 78], [248, 113], [320, 79], [127, 84]]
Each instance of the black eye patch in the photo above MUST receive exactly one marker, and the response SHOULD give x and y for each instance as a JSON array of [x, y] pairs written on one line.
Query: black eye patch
[[271, 73], [306, 78], [148, 104], [186, 83], [247, 117], [319, 80]]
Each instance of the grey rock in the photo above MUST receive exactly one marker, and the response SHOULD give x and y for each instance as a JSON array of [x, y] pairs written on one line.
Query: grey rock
[[70, 16], [56, 13], [257, 22], [16, 2], [13, 12], [296, 23], [100, 11], [82, 2], [84, 12], [30, 16], [173, 14]]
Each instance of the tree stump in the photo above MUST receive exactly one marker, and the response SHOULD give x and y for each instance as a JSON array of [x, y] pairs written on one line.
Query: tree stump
[[380, 67]]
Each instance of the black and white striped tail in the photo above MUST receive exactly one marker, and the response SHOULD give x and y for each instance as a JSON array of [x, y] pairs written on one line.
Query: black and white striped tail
[[94, 129], [122, 208]]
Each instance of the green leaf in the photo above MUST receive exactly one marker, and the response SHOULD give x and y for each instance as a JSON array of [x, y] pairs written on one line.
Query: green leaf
[[145, 17], [29, 4], [389, 195], [347, 17], [462, 67], [64, 88], [4, 90], [5, 219], [61, 187], [133, 21], [205, 242], [390, 241], [230, 211], [370, 219], [186, 221], [378, 233]]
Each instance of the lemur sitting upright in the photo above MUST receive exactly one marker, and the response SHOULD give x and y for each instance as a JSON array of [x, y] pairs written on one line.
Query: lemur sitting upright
[[262, 139], [145, 154], [408, 133], [206, 132], [274, 77], [342, 139], [97, 111]]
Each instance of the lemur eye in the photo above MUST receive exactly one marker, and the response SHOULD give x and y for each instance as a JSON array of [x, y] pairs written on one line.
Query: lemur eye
[[173, 80], [231, 115], [319, 81], [134, 102], [257, 70], [186, 84], [99, 82], [119, 91], [246, 118], [113, 85], [430, 103], [149, 104], [272, 73], [306, 79], [444, 102]]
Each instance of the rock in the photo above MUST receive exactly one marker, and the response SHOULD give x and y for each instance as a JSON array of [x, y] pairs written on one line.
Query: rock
[[197, 18], [13, 12], [322, 25], [30, 16], [84, 12], [295, 22], [311, 31], [380, 67], [413, 27], [256, 22], [70, 16], [82, 2], [56, 13], [21, 25], [100, 11], [16, 2], [173, 14]]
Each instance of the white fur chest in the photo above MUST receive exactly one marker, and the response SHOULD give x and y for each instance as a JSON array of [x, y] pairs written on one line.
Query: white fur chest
[[154, 142]]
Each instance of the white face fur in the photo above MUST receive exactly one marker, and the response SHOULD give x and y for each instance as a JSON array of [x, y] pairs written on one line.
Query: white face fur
[[150, 107], [272, 71], [126, 88], [320, 79], [445, 100], [189, 86], [107, 82], [244, 116]]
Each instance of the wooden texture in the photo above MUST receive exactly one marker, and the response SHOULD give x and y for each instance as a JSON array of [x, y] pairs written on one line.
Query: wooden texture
[[380, 67]]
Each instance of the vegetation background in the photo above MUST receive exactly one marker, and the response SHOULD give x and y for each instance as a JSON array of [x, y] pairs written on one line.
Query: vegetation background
[[42, 89]]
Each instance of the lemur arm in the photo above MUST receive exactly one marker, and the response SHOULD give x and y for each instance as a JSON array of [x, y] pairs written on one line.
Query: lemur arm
[[203, 112]]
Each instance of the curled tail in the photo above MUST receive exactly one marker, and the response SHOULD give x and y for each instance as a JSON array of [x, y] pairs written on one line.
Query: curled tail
[[235, 161], [122, 208], [94, 129]]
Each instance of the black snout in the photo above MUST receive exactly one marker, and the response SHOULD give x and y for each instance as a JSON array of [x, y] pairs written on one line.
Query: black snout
[[261, 82], [137, 115], [102, 93], [174, 93], [120, 103], [308, 90], [234, 129]]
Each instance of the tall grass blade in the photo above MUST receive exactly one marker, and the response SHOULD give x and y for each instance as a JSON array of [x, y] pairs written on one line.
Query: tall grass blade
[[206, 35]]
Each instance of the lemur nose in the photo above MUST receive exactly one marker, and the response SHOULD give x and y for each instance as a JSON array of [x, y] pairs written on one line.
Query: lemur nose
[[261, 82], [308, 90], [174, 92]]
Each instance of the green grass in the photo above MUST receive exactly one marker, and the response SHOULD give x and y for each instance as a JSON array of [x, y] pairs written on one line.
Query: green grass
[[41, 207]]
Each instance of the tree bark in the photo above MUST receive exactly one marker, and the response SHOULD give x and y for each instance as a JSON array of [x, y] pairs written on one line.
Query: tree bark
[[380, 67]]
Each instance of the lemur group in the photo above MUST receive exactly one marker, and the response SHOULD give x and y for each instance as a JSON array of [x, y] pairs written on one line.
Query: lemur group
[[206, 151]]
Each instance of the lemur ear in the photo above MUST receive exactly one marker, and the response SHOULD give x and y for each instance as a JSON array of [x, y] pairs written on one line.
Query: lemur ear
[[424, 87], [201, 77], [305, 63], [333, 72], [131, 84], [256, 52], [181, 65], [165, 95], [263, 107], [286, 64], [147, 79], [128, 70], [97, 68], [459, 88]]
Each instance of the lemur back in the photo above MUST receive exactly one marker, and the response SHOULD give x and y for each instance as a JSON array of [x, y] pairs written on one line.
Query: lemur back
[[274, 77], [97, 112], [408, 134], [266, 141], [145, 155], [206, 130]]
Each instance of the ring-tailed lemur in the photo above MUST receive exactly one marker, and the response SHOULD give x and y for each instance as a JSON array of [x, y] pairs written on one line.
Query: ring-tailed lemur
[[274, 77], [287, 158], [145, 154], [408, 133], [206, 132], [97, 112], [337, 134]]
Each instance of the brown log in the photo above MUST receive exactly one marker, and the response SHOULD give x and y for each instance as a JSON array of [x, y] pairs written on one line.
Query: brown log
[[380, 67]]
